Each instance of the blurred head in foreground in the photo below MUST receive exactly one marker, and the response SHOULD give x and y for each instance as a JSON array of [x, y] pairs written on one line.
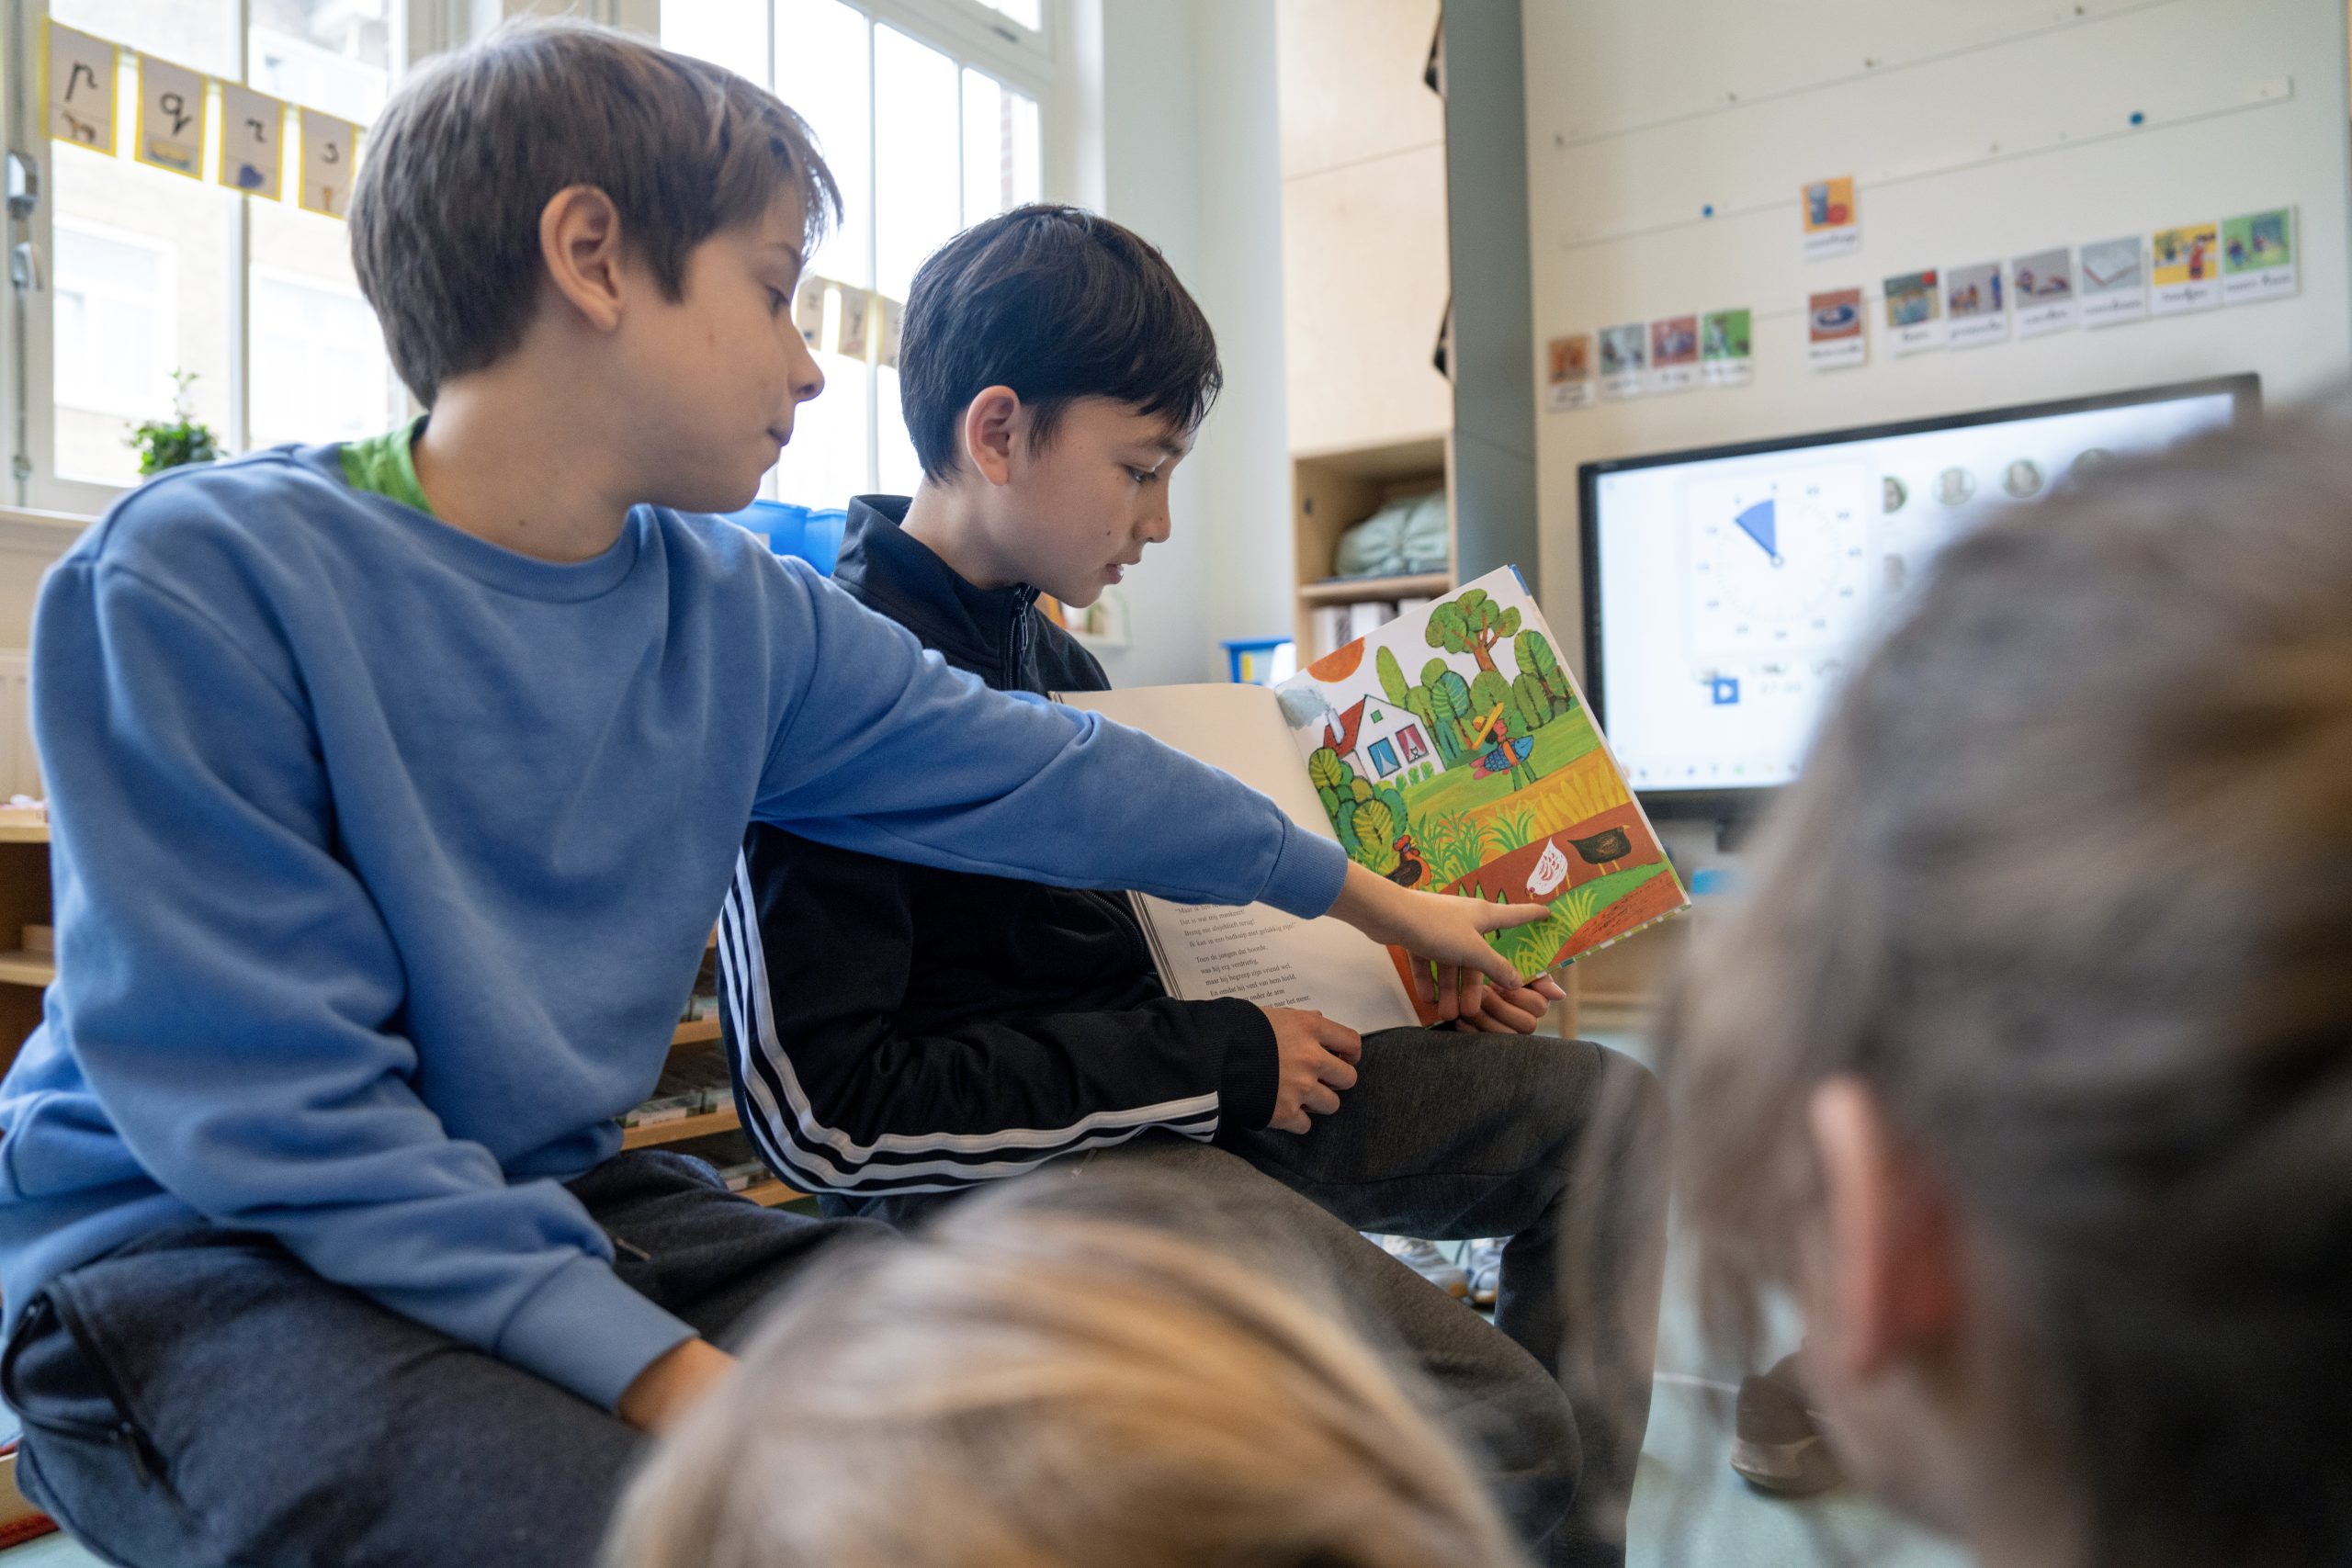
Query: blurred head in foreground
[[2026, 1064], [1025, 1386]]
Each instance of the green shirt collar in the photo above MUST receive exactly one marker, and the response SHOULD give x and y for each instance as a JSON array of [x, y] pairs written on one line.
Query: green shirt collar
[[383, 466]]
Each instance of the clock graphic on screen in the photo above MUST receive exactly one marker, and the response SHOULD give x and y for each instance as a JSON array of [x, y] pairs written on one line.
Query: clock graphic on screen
[[1778, 562]]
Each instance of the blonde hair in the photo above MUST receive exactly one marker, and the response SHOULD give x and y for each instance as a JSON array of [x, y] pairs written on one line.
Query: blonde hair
[[1024, 1387]]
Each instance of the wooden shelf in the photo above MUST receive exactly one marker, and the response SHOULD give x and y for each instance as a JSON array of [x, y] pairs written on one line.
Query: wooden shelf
[[723, 1120], [1355, 590], [24, 832], [21, 968], [768, 1194], [695, 1032]]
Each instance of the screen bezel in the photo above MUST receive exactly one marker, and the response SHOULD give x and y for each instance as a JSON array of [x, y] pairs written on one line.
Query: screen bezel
[[1730, 804]]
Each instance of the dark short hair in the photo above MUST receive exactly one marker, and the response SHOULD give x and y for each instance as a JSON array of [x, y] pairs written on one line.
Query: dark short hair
[[2067, 882], [1058, 304], [444, 217]]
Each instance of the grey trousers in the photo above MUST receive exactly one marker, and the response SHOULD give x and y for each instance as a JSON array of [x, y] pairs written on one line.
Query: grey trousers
[[1560, 1146]]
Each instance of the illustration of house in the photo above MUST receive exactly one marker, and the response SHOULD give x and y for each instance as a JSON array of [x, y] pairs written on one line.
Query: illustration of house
[[1377, 738]]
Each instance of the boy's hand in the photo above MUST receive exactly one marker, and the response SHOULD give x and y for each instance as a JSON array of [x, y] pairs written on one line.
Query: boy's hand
[[1436, 929], [673, 1384], [1513, 1012], [1319, 1060]]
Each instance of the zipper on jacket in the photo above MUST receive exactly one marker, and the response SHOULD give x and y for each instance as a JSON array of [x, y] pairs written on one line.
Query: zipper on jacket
[[1024, 599]]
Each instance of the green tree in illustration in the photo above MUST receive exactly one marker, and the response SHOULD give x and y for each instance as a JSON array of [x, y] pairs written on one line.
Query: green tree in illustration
[[1472, 624], [1329, 775], [1376, 830], [1392, 678], [1536, 659], [1490, 692], [1441, 735], [1535, 701], [1448, 696]]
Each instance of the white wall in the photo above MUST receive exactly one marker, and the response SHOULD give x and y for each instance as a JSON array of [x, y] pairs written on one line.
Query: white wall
[[1189, 159], [1979, 132]]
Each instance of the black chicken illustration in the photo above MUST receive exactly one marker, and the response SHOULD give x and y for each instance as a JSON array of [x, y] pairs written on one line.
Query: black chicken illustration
[[1603, 849], [1409, 869]]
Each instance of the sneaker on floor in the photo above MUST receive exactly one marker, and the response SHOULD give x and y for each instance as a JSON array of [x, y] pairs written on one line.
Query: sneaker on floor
[[1777, 1445], [1484, 1264], [1424, 1259]]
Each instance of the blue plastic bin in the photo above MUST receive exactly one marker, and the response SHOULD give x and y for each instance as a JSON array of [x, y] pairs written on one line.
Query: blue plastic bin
[[1260, 662], [813, 533]]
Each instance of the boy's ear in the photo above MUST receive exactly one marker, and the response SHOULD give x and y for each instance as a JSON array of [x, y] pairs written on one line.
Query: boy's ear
[[579, 242], [992, 423], [1894, 1260]]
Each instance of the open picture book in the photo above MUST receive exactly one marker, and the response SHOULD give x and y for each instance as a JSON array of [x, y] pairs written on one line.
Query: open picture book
[[1449, 750]]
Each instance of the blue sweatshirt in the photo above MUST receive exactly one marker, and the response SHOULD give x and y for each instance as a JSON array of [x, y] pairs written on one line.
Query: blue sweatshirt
[[384, 859]]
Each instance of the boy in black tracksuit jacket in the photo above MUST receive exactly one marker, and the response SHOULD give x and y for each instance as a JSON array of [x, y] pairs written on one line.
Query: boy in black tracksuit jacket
[[899, 1032]]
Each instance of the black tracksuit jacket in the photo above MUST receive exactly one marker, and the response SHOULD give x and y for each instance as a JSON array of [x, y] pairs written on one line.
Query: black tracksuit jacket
[[896, 1027]]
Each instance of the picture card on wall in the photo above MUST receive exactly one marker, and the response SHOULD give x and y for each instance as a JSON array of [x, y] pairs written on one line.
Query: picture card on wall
[[1834, 329], [809, 311], [1833, 225], [1973, 299], [172, 111], [330, 156], [2114, 283], [1914, 313], [857, 318], [2185, 269], [1567, 382], [1674, 353], [2258, 257], [252, 152], [1624, 359], [81, 76], [1727, 348], [2042, 288]]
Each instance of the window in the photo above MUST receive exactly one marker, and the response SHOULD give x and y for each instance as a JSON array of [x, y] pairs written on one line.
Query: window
[[151, 273], [928, 113], [1384, 758]]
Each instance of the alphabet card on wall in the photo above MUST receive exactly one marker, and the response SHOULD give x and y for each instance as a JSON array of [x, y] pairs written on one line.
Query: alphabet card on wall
[[253, 144], [1624, 360], [2115, 281], [1727, 348], [328, 146], [1973, 301], [1674, 353], [1835, 330], [1914, 313], [172, 112], [1833, 224], [2258, 257], [1568, 372], [2043, 287], [82, 75], [2187, 271]]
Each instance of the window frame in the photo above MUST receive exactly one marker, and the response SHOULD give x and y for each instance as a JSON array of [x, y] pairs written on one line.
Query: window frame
[[28, 327], [973, 37]]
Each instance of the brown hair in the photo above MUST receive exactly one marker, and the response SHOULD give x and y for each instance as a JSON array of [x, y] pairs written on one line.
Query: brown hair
[[445, 218], [2067, 881], [1023, 1387]]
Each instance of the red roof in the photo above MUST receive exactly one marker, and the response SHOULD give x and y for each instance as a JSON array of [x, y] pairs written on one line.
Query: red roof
[[1343, 739]]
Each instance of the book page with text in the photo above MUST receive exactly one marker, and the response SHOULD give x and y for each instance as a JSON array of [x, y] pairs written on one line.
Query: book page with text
[[1258, 954]]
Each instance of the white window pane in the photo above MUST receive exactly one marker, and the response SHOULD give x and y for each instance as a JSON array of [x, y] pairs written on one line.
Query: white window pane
[[822, 71], [1028, 13], [140, 272], [916, 174], [899, 471], [826, 462], [1002, 157], [327, 54], [198, 33], [317, 370], [734, 33]]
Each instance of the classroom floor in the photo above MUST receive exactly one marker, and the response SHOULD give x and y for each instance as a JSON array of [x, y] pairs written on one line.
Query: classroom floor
[[1690, 1510]]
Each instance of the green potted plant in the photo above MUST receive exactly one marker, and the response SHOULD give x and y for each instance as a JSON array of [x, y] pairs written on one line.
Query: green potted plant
[[179, 441]]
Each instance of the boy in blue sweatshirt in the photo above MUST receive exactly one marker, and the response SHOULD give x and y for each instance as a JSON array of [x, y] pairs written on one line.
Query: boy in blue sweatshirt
[[395, 788]]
